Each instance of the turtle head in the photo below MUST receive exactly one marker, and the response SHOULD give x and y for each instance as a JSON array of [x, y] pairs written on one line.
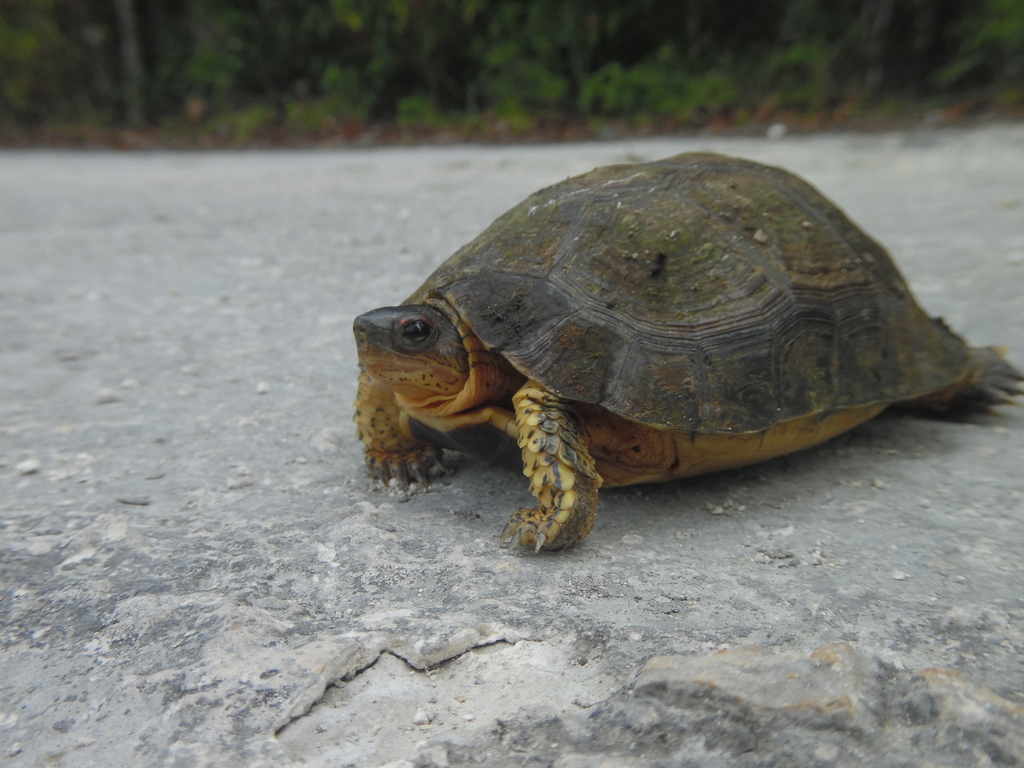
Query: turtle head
[[415, 350]]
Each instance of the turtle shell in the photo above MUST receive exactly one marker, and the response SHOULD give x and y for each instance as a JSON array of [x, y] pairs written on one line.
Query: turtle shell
[[699, 293]]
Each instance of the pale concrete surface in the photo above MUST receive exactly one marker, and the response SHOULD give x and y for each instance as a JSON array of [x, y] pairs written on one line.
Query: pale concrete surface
[[196, 572]]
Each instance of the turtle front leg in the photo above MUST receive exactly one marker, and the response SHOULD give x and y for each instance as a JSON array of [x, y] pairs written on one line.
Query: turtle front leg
[[561, 472], [391, 452]]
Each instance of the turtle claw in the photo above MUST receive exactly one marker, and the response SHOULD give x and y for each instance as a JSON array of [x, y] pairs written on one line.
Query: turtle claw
[[397, 468], [403, 465], [417, 474], [531, 526], [377, 469], [505, 540], [540, 538]]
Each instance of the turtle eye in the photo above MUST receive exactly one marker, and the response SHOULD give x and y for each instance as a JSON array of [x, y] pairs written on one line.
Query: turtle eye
[[413, 334]]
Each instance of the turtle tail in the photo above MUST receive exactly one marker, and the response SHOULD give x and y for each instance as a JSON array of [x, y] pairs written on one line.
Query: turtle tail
[[989, 380]]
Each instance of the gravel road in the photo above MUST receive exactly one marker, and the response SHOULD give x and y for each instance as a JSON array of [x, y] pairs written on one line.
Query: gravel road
[[195, 571]]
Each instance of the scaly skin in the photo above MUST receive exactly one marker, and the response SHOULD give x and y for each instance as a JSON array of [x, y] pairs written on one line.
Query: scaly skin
[[390, 451], [561, 472]]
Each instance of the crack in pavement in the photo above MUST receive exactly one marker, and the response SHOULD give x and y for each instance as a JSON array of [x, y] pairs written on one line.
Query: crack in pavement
[[352, 675]]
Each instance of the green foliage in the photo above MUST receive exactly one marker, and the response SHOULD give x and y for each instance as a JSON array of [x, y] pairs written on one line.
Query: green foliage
[[512, 82], [661, 86], [534, 55], [212, 71], [415, 111], [244, 125], [34, 58], [310, 64], [344, 94], [992, 47], [801, 75]]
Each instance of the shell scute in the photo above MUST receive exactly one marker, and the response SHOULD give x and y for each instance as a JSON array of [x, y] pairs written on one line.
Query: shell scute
[[697, 293]]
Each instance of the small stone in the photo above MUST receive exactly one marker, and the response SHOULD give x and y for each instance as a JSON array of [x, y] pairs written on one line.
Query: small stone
[[826, 752], [776, 131], [900, 575], [835, 687], [879, 485], [327, 440], [431, 756], [27, 467], [760, 236], [130, 384], [262, 388], [422, 718], [468, 717], [235, 483], [71, 355], [135, 501], [106, 396], [975, 618]]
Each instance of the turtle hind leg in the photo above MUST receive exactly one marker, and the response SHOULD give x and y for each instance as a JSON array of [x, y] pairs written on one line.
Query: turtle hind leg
[[561, 471], [996, 381], [990, 380]]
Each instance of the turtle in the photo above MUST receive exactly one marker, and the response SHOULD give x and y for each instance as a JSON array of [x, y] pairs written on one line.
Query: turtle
[[646, 322]]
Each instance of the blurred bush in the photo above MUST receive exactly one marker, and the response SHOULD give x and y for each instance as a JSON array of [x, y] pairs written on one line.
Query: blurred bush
[[991, 49], [35, 55], [245, 66], [664, 84]]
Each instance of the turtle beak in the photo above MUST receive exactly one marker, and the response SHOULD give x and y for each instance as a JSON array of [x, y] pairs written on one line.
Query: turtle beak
[[373, 329]]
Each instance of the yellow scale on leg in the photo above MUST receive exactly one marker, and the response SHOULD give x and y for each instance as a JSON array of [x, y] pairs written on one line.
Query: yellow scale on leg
[[560, 468]]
